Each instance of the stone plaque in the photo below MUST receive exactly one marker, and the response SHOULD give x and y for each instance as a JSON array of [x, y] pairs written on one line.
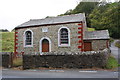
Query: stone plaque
[[44, 29]]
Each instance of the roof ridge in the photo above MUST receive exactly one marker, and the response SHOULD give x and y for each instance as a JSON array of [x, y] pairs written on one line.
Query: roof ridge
[[54, 20], [56, 17]]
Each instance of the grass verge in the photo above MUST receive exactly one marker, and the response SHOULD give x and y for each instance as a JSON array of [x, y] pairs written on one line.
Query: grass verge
[[112, 63]]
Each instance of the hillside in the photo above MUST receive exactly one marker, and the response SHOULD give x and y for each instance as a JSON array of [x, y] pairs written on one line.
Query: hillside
[[7, 41]]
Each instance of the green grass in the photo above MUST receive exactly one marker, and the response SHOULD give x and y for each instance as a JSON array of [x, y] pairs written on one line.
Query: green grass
[[91, 29], [112, 63], [117, 44], [7, 41]]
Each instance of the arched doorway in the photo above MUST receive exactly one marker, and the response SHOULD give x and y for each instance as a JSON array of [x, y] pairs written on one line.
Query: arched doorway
[[45, 45]]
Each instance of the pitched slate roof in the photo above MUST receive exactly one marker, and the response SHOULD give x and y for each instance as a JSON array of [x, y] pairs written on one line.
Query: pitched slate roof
[[54, 20], [102, 34]]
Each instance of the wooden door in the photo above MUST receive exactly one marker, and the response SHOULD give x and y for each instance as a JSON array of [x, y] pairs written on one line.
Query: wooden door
[[45, 45], [87, 46]]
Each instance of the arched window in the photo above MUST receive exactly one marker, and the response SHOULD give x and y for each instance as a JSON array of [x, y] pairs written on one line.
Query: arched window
[[64, 36], [28, 38]]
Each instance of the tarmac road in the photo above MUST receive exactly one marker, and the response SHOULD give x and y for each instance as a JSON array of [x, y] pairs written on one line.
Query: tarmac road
[[115, 50], [7, 73]]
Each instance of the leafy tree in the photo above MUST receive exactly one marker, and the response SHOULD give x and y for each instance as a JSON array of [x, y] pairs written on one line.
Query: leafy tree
[[85, 7], [102, 15], [4, 30], [107, 17]]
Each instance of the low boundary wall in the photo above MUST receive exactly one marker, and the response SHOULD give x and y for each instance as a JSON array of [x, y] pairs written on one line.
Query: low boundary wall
[[7, 59], [65, 61]]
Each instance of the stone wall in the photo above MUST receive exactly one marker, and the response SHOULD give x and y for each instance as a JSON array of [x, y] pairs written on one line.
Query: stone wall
[[99, 44], [84, 60], [7, 58], [52, 34]]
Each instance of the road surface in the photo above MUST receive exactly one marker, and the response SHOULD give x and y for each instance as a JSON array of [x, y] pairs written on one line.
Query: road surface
[[115, 50], [77, 73]]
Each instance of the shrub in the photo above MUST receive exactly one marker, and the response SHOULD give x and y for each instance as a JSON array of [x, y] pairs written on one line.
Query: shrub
[[111, 40], [117, 44], [118, 65], [111, 63]]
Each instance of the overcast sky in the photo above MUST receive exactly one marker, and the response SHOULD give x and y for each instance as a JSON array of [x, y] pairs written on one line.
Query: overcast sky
[[16, 12]]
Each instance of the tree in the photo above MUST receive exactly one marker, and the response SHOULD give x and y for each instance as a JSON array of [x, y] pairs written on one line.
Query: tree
[[4, 30], [85, 7], [102, 15], [107, 17]]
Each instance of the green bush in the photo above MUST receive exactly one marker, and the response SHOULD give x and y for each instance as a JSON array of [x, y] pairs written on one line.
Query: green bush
[[118, 65], [111, 40], [117, 44], [111, 63]]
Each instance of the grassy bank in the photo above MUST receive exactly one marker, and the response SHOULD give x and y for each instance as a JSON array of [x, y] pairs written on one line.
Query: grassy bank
[[7, 41], [112, 63]]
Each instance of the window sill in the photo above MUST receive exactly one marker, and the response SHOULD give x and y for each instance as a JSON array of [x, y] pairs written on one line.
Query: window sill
[[29, 46], [63, 45]]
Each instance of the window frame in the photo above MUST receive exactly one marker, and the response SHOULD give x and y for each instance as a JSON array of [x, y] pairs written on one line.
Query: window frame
[[25, 38], [63, 45]]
